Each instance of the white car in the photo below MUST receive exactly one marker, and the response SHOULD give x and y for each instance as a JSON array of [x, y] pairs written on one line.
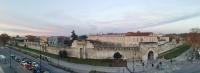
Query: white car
[[35, 64], [23, 63]]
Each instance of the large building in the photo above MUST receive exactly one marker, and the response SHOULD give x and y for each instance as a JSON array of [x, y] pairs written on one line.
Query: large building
[[129, 39], [132, 45], [55, 41]]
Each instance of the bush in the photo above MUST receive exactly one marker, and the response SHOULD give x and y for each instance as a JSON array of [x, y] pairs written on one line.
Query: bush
[[96, 72], [117, 55], [63, 54]]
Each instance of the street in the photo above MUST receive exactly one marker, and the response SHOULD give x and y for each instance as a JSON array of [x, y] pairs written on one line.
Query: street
[[45, 66], [15, 67], [190, 68]]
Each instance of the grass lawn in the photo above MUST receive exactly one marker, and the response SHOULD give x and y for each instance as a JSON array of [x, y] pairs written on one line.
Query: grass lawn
[[95, 62], [96, 72], [175, 52]]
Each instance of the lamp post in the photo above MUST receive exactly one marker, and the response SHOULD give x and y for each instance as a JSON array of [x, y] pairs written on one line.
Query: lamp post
[[40, 58], [10, 58], [133, 64]]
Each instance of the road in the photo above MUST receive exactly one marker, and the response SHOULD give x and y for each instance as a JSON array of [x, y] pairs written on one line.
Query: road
[[190, 68], [14, 65], [44, 64]]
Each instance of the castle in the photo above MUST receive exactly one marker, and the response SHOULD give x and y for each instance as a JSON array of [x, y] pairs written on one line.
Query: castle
[[131, 45]]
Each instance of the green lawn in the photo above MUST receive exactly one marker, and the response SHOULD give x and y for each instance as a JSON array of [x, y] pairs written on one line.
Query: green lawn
[[96, 72], [95, 62], [175, 52]]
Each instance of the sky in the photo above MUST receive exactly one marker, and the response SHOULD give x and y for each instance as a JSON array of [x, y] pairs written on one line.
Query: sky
[[60, 17]]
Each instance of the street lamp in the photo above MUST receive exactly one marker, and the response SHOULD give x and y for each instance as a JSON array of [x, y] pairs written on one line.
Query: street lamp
[[10, 58], [40, 58], [133, 65]]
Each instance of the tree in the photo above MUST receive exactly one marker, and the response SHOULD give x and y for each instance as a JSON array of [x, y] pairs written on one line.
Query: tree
[[63, 53], [31, 38], [117, 55], [74, 36], [177, 40], [4, 38], [194, 39]]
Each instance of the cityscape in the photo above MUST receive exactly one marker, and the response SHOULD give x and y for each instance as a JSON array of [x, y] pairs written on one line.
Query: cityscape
[[101, 36]]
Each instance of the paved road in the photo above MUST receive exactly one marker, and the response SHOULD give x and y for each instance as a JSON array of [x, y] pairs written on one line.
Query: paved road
[[190, 68], [14, 65], [44, 64], [1, 70]]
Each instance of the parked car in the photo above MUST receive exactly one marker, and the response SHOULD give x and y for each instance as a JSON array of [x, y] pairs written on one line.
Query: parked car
[[23, 63], [35, 64], [37, 70], [18, 60], [24, 59], [29, 66]]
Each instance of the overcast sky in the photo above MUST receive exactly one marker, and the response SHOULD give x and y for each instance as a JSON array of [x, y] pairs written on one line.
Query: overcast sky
[[60, 17]]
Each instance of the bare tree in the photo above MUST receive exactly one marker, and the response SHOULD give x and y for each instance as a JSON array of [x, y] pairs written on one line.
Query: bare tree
[[4, 38], [194, 39], [30, 38]]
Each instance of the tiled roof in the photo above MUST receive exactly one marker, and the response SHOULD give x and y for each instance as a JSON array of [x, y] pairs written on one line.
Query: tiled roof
[[138, 33]]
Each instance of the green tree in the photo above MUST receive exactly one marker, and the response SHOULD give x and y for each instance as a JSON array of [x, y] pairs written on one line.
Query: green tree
[[63, 53], [4, 38], [74, 36], [117, 55]]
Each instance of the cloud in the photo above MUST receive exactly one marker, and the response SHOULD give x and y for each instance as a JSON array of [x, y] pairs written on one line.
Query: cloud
[[51, 24], [137, 21]]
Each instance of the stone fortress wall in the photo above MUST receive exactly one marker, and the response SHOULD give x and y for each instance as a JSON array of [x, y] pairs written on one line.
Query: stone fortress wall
[[90, 52], [138, 47]]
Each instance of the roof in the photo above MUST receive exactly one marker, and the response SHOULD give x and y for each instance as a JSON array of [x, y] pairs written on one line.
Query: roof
[[148, 43], [138, 33]]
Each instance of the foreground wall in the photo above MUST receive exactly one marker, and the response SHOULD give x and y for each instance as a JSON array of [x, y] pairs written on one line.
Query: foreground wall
[[104, 53]]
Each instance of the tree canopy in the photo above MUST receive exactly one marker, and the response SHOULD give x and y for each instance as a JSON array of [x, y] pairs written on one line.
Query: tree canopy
[[117, 55], [4, 38], [31, 38], [74, 36]]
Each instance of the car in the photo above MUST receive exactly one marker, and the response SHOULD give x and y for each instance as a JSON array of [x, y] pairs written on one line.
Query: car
[[37, 70], [29, 62], [29, 66], [18, 60], [24, 59], [23, 63], [35, 64]]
